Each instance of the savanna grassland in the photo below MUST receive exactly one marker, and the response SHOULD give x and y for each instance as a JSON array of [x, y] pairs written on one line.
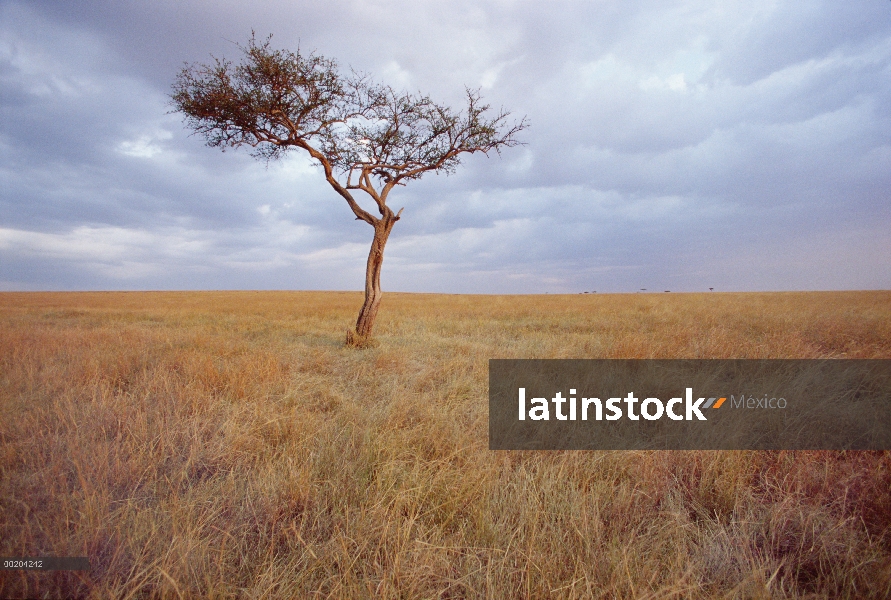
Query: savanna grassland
[[226, 444]]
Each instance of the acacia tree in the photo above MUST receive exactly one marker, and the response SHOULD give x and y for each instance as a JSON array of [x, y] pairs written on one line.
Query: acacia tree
[[365, 136]]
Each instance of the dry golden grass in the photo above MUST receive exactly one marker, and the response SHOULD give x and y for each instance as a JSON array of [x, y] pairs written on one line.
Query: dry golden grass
[[228, 445]]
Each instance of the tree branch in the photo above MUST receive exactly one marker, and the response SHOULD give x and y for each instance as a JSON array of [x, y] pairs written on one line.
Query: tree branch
[[276, 100], [329, 176]]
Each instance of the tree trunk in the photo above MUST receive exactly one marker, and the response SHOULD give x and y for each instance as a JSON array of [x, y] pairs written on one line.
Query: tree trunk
[[365, 323]]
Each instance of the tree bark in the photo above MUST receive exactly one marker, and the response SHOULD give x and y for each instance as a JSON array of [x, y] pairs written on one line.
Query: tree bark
[[373, 293]]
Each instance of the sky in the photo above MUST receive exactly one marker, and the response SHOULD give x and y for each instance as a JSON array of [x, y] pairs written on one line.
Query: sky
[[672, 145]]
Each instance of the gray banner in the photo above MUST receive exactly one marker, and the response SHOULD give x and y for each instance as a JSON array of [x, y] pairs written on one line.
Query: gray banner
[[690, 404]]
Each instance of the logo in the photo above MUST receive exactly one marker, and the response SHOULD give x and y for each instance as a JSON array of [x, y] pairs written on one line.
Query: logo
[[649, 404], [650, 409]]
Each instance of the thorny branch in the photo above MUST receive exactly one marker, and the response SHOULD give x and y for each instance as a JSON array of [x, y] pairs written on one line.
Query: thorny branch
[[277, 100]]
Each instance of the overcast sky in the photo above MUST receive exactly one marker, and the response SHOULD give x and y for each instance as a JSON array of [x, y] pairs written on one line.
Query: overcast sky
[[673, 145]]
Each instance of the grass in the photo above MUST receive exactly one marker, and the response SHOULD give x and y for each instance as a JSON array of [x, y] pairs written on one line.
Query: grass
[[226, 444]]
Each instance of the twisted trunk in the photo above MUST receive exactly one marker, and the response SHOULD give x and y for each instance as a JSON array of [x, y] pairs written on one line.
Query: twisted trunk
[[365, 323]]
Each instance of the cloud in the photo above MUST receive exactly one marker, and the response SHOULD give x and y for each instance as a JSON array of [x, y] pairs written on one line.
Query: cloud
[[671, 143]]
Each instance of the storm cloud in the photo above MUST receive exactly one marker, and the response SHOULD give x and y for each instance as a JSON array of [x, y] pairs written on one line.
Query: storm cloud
[[672, 145]]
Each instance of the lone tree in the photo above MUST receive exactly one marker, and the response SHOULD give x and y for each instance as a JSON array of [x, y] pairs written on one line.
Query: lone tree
[[364, 135]]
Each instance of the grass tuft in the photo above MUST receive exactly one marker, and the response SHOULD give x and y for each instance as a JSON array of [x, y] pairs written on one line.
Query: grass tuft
[[354, 340]]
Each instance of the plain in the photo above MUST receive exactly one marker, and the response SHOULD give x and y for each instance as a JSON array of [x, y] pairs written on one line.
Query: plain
[[227, 444]]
